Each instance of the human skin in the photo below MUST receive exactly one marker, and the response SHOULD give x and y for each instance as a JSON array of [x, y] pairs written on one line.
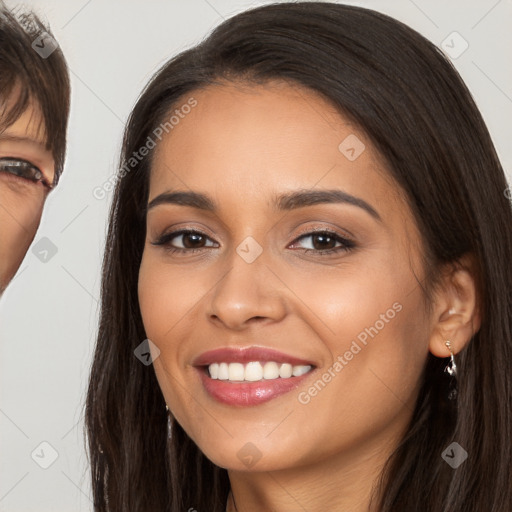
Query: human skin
[[241, 145], [22, 199]]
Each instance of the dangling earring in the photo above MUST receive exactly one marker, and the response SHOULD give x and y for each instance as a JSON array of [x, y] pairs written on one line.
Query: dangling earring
[[451, 369], [168, 421]]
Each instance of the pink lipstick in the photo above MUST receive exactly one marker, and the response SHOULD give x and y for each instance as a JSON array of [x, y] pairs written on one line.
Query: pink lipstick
[[250, 376]]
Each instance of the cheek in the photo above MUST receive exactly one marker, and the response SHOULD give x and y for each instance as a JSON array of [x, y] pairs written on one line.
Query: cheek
[[20, 212], [372, 322], [165, 297], [18, 225], [166, 301]]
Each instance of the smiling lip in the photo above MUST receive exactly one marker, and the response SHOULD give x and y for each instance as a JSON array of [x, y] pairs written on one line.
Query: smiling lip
[[243, 394], [246, 355]]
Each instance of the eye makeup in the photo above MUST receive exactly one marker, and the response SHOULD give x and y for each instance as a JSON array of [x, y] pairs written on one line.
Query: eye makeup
[[24, 169], [166, 239]]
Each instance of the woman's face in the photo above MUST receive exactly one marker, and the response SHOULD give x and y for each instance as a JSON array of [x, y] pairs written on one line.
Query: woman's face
[[26, 171], [324, 281]]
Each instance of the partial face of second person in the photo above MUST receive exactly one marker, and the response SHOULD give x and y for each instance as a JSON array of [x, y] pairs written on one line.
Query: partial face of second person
[[26, 173], [306, 295]]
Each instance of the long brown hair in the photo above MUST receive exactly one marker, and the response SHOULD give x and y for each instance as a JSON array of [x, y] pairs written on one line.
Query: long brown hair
[[412, 104]]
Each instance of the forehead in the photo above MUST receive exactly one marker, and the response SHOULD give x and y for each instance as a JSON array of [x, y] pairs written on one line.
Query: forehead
[[248, 139], [29, 124]]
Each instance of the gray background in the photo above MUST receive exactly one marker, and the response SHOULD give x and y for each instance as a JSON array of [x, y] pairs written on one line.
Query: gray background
[[48, 315]]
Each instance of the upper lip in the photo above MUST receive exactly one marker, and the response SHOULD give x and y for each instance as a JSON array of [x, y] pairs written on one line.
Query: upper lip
[[246, 355]]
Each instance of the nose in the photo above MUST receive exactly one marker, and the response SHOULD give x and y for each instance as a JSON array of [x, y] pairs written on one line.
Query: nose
[[248, 293]]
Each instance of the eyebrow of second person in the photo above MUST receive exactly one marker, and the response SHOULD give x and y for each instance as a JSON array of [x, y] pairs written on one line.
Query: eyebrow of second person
[[283, 202]]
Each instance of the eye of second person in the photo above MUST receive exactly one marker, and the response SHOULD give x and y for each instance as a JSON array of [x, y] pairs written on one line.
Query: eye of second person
[[21, 168]]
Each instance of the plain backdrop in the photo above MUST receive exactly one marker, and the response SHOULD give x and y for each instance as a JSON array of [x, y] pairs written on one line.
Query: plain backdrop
[[48, 315]]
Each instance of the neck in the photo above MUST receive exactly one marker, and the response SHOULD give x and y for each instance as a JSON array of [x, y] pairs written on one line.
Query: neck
[[343, 482]]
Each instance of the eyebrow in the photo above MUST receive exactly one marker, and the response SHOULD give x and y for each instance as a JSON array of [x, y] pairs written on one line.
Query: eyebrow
[[284, 202]]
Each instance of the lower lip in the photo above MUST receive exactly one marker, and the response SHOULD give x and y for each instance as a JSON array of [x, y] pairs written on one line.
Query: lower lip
[[243, 394]]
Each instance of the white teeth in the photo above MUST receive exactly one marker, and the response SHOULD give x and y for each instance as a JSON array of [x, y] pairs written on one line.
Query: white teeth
[[271, 370], [236, 371], [285, 372], [223, 371], [254, 371], [214, 370], [300, 370]]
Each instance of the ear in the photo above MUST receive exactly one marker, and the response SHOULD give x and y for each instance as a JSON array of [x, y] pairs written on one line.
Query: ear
[[456, 313]]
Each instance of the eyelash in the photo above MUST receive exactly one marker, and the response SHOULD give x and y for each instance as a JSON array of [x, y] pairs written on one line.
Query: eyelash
[[166, 238], [6, 160]]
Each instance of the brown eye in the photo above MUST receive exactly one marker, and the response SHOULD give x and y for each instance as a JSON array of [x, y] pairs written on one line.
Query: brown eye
[[187, 236], [23, 169], [321, 239]]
